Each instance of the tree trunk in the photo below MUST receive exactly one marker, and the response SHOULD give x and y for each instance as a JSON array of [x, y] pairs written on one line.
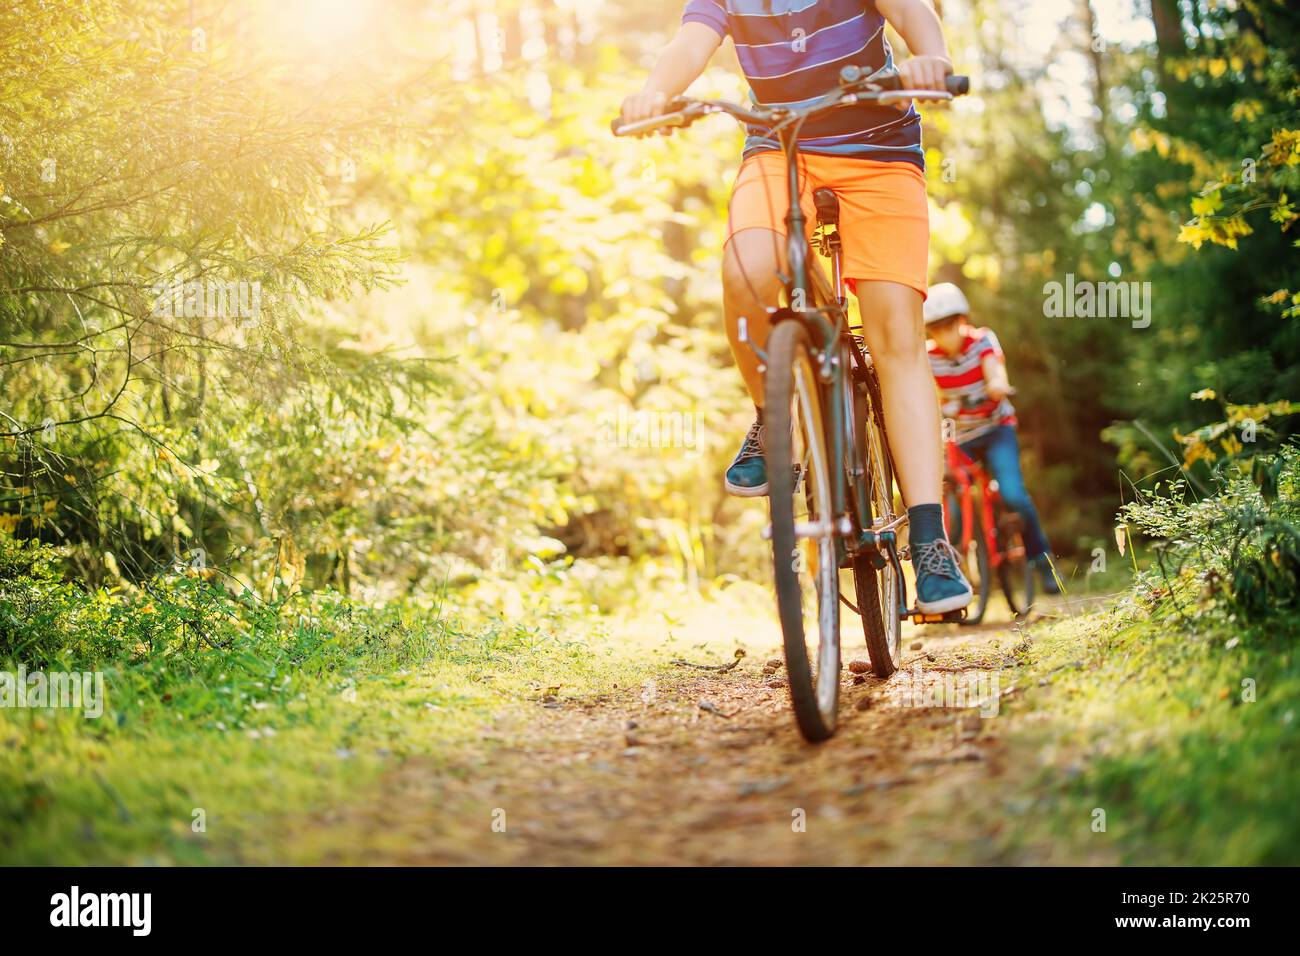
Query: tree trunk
[[1168, 21], [1096, 57]]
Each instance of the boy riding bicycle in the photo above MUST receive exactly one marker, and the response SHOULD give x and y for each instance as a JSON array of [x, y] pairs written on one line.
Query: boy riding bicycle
[[971, 374], [870, 155]]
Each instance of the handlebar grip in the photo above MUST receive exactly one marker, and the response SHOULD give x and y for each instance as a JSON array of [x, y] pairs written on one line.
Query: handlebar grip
[[954, 83], [676, 105]]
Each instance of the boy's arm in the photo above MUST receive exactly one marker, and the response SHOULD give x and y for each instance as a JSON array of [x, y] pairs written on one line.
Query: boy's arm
[[918, 25], [995, 375], [681, 62]]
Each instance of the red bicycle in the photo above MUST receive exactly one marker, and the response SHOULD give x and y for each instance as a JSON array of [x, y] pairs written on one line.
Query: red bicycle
[[987, 535]]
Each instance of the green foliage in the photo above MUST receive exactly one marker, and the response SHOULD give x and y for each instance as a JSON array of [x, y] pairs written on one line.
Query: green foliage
[[138, 161], [217, 700], [188, 624], [474, 302], [567, 283], [1185, 739], [1176, 707], [1242, 544], [1213, 137]]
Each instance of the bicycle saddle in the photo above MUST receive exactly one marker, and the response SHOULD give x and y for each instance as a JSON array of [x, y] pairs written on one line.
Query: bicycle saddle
[[828, 207]]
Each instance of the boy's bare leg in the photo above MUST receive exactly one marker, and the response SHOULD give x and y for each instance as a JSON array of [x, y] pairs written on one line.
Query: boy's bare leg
[[750, 285], [895, 333], [750, 266]]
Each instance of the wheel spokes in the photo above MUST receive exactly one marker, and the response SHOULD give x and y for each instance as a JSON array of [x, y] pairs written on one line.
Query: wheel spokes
[[814, 529], [882, 491]]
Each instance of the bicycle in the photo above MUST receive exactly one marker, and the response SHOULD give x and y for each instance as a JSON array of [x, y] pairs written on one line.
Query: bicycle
[[830, 471], [987, 535]]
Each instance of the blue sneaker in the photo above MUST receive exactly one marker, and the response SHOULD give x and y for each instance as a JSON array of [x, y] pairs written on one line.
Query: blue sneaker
[[940, 585], [1046, 574], [747, 476]]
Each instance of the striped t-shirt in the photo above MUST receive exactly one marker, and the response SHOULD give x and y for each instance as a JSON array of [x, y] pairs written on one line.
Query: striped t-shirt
[[792, 52], [964, 394]]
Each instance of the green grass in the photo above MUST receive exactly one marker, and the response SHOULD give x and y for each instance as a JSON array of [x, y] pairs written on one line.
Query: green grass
[[1176, 711], [244, 710], [261, 713], [1144, 715]]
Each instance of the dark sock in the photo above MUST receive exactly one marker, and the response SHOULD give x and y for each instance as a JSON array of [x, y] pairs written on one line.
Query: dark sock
[[926, 523], [758, 413]]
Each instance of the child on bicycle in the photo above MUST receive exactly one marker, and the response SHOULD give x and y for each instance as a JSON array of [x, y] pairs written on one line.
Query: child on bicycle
[[870, 156], [971, 373]]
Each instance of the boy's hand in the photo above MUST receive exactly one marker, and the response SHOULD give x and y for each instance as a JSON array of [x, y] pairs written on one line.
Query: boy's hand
[[679, 65], [925, 72], [918, 25], [643, 105]]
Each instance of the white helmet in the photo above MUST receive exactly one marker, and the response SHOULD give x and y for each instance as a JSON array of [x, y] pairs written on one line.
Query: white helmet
[[945, 301]]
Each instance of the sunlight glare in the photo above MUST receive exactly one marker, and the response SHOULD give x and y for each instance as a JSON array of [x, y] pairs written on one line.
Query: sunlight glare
[[322, 24]]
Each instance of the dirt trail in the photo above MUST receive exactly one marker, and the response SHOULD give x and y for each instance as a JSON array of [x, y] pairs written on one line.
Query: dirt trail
[[708, 768]]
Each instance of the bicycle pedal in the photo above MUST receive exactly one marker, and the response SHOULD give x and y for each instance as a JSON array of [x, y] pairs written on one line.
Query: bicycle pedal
[[917, 616]]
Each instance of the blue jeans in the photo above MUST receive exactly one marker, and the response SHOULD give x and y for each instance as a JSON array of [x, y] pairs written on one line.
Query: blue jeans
[[1000, 451]]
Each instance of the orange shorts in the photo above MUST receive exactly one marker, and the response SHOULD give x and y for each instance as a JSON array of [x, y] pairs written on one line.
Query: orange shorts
[[884, 217]]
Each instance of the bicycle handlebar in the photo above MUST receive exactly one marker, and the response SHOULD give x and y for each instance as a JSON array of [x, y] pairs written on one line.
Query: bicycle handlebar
[[954, 83], [855, 87]]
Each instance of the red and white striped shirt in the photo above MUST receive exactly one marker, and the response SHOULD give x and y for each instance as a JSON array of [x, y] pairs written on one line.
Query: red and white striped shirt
[[965, 395]]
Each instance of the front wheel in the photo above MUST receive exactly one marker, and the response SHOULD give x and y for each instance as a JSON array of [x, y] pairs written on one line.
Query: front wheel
[[803, 536], [1015, 573]]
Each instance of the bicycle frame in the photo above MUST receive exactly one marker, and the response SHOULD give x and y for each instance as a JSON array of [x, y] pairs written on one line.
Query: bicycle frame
[[828, 326], [836, 351], [969, 474]]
